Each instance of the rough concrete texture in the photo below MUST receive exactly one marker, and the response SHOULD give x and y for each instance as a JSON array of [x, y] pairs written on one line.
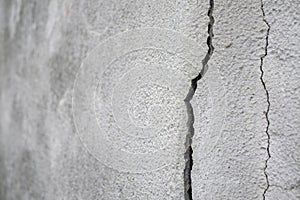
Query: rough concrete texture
[[282, 77], [95, 99]]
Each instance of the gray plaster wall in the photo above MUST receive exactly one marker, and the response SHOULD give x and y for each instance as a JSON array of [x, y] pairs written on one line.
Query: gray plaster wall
[[97, 99]]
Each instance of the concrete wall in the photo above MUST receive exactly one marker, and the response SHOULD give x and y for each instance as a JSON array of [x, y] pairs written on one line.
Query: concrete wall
[[98, 102]]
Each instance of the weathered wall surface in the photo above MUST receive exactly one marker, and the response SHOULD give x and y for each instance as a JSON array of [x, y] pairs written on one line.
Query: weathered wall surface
[[282, 79], [95, 99]]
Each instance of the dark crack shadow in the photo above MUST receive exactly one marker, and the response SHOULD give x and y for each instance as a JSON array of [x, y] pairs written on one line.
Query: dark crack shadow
[[267, 98], [188, 156]]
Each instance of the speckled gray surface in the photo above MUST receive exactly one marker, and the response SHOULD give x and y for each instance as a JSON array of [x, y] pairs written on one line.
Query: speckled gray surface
[[92, 99], [282, 74]]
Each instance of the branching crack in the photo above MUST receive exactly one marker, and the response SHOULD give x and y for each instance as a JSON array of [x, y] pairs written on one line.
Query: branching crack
[[188, 156], [268, 99]]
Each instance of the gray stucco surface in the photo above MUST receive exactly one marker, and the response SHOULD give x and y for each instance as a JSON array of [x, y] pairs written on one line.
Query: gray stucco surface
[[230, 150], [282, 78], [92, 99]]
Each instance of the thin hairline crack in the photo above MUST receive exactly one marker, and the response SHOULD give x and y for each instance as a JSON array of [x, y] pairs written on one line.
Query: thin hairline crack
[[267, 97], [188, 155]]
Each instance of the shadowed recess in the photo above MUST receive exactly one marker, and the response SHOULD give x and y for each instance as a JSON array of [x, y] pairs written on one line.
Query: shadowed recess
[[188, 155]]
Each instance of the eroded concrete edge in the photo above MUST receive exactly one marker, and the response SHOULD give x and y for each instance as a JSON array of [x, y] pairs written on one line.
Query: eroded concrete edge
[[188, 155]]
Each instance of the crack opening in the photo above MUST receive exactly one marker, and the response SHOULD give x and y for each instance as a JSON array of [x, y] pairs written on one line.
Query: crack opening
[[188, 155], [267, 97]]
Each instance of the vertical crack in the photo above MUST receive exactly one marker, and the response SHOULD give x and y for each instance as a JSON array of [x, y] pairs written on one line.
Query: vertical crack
[[188, 155], [268, 98]]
